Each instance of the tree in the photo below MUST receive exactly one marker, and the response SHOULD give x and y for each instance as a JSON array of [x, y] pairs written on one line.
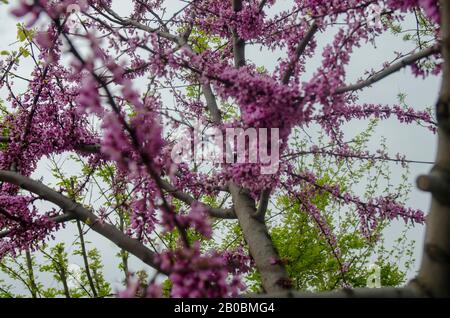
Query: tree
[[86, 96], [71, 281]]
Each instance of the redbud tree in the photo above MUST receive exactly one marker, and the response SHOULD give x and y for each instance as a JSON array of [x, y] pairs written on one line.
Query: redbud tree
[[123, 92]]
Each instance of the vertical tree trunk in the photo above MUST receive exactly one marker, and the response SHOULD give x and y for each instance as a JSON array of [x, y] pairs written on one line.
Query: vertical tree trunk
[[273, 274], [434, 275]]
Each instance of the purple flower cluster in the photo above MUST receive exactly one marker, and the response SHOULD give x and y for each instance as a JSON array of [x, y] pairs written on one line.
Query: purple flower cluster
[[194, 275]]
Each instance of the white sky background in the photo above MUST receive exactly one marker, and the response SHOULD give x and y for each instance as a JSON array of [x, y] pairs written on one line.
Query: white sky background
[[415, 142]]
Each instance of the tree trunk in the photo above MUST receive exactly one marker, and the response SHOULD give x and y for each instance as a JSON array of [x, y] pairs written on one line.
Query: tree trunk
[[434, 275]]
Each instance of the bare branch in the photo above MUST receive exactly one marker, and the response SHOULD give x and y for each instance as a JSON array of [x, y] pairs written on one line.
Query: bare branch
[[186, 198], [143, 27], [88, 148], [211, 103], [262, 5], [388, 292], [390, 70], [238, 43], [263, 204]]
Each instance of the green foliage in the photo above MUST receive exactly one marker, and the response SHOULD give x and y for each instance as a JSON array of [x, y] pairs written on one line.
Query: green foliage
[[202, 41], [166, 287], [5, 130], [102, 287], [24, 34], [310, 261], [53, 262]]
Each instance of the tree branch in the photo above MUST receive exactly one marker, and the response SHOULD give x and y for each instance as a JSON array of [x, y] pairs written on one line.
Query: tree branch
[[299, 52], [88, 148], [79, 212], [30, 273], [238, 43], [273, 274], [211, 103], [186, 198], [263, 203], [143, 27], [262, 4], [388, 292], [390, 70]]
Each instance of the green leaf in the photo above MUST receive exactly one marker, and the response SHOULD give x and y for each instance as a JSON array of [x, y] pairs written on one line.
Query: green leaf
[[24, 52]]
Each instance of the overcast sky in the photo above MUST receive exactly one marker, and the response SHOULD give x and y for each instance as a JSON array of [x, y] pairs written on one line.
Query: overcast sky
[[415, 142]]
